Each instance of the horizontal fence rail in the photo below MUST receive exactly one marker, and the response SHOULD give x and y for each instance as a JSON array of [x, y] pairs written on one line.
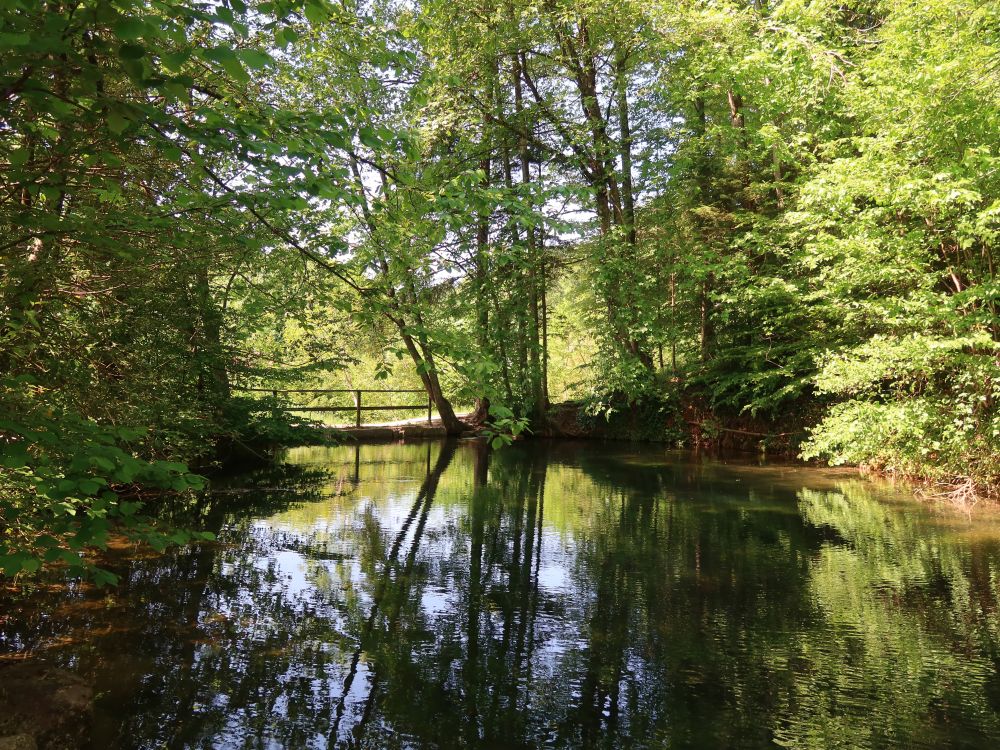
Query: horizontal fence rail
[[358, 394]]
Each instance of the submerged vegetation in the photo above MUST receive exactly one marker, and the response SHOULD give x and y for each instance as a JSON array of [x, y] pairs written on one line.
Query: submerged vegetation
[[784, 211]]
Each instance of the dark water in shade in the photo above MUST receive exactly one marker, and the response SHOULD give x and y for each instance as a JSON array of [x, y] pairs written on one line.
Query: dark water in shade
[[435, 595]]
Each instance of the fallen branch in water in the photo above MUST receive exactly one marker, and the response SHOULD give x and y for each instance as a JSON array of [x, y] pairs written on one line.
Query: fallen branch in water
[[962, 492], [715, 428]]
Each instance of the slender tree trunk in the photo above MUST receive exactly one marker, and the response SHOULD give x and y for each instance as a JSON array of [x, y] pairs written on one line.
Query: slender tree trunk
[[736, 109], [627, 189], [424, 363], [707, 331], [536, 397], [673, 322], [482, 408], [623, 308], [545, 336], [779, 193], [211, 347]]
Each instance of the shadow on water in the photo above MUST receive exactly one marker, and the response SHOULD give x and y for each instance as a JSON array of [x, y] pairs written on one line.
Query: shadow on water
[[542, 595]]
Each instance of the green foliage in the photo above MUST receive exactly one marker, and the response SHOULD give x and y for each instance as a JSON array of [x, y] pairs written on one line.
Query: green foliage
[[828, 222], [68, 483], [265, 424], [504, 427], [149, 189], [900, 223], [919, 406], [655, 417], [764, 207]]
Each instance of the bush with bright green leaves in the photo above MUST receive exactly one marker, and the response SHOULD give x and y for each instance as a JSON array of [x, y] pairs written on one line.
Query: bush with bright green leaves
[[504, 426], [68, 483], [916, 405]]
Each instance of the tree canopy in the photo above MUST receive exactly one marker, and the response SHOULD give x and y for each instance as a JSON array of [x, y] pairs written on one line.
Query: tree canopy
[[787, 209]]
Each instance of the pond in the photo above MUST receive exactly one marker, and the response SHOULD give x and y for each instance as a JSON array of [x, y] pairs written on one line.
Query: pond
[[549, 594]]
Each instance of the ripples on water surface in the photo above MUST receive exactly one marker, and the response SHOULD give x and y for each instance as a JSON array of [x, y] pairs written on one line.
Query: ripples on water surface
[[544, 595]]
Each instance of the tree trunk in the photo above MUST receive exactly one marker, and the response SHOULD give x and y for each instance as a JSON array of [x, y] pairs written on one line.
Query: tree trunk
[[707, 332], [211, 339], [482, 277], [628, 191], [536, 397], [428, 376]]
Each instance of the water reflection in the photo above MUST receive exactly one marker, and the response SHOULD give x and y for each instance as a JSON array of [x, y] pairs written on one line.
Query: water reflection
[[544, 595]]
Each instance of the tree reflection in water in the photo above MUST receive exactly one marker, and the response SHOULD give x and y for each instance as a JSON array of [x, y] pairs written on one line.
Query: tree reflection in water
[[543, 595]]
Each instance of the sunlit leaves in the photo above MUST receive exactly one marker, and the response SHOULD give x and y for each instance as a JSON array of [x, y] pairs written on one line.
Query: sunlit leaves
[[64, 485], [139, 153]]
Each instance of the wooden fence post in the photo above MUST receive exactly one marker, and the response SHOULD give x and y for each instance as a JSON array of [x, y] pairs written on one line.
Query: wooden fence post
[[357, 404], [430, 406]]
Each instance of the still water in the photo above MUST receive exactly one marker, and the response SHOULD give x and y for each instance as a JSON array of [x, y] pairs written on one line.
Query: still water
[[570, 595]]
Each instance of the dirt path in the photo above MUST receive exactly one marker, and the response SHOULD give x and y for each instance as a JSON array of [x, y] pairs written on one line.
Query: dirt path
[[435, 422], [400, 429]]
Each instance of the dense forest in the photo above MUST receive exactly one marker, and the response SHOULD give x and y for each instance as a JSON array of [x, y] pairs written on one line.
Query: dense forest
[[700, 212]]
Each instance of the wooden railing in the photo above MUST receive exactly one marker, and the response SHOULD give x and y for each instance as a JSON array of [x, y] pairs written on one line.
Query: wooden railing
[[358, 406]]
